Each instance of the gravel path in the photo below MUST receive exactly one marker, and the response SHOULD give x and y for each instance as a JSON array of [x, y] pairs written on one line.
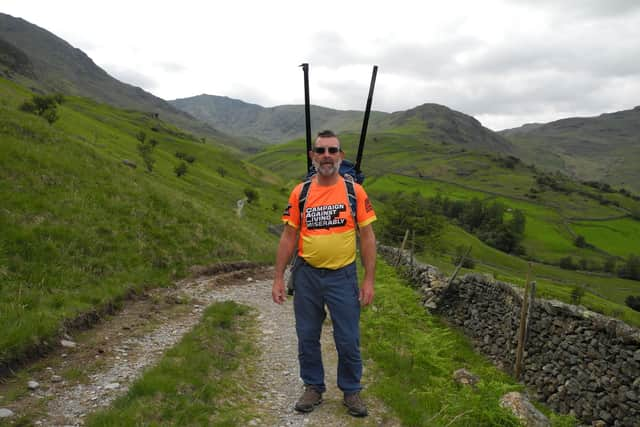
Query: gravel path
[[118, 350]]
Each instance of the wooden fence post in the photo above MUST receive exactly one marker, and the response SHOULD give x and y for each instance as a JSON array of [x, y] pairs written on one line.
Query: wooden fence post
[[401, 251], [523, 326]]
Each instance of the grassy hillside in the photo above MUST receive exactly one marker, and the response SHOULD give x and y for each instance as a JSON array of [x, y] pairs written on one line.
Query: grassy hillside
[[80, 228], [410, 158], [602, 148]]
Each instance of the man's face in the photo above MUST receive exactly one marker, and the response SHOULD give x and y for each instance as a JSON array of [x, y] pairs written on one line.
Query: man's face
[[326, 162]]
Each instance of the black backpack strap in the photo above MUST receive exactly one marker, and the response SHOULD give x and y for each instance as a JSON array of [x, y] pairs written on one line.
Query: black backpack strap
[[353, 201], [302, 199]]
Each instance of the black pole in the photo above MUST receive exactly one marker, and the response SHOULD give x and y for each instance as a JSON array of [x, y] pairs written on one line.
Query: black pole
[[307, 113], [365, 123]]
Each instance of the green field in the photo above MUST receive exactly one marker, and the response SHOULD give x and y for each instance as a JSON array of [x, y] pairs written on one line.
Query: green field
[[619, 237]]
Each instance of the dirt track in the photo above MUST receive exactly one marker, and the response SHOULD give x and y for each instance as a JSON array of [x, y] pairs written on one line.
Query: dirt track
[[108, 358]]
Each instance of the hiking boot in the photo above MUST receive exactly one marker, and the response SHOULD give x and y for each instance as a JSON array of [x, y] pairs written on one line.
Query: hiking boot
[[309, 399], [355, 405]]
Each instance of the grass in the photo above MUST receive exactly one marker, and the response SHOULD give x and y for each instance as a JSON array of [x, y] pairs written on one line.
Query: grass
[[195, 383], [415, 356], [80, 229]]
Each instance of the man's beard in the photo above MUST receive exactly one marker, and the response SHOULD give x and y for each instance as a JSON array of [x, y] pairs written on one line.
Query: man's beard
[[324, 169]]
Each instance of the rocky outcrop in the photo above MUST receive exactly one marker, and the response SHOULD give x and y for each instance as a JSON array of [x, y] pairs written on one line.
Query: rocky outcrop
[[576, 361]]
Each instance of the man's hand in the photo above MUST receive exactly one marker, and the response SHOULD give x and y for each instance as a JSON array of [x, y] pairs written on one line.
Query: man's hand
[[366, 292], [278, 292]]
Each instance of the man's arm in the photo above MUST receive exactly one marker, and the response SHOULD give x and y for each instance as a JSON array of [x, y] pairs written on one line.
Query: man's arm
[[285, 250], [368, 253]]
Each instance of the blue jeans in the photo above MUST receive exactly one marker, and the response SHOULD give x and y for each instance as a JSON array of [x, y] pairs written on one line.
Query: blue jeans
[[338, 290]]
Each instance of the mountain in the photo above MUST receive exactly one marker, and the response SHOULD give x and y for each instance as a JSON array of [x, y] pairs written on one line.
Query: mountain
[[286, 122], [38, 59], [604, 148], [271, 125]]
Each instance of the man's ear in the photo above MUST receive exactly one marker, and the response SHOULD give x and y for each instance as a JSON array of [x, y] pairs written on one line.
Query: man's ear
[[310, 154]]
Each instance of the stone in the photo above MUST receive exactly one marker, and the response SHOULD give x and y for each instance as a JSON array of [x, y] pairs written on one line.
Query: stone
[[112, 386], [130, 163], [33, 385], [6, 413], [56, 379], [462, 376], [524, 410], [67, 344]]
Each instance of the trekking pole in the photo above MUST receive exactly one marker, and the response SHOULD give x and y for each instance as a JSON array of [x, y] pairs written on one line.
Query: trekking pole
[[307, 113], [365, 123]]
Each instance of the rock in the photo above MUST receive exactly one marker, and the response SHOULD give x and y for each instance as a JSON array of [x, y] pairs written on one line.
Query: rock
[[68, 344], [463, 376], [33, 385], [130, 163], [524, 410], [6, 413], [112, 386], [56, 379], [599, 423]]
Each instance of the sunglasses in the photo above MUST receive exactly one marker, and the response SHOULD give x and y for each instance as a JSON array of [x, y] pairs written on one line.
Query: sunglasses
[[321, 150]]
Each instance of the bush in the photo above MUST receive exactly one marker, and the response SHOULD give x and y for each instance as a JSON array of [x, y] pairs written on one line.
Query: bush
[[468, 261], [567, 263], [181, 169], [146, 151], [631, 268], [252, 195], [633, 302], [580, 242], [576, 295], [43, 106]]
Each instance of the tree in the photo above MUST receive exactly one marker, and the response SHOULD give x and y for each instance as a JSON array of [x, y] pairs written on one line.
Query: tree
[[631, 268], [610, 265], [567, 263]]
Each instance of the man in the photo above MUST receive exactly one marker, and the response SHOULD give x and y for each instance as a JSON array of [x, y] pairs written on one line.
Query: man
[[325, 273]]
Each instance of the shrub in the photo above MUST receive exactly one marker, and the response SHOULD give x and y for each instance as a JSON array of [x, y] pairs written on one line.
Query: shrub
[[576, 295], [252, 195], [580, 242], [43, 106], [222, 171], [633, 302], [468, 261], [181, 169], [567, 263], [146, 151], [141, 136]]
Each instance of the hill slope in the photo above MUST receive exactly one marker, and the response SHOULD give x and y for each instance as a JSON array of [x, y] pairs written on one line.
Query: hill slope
[[38, 59], [604, 148], [80, 228]]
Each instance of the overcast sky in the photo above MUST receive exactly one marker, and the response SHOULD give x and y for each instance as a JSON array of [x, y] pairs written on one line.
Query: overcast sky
[[504, 62]]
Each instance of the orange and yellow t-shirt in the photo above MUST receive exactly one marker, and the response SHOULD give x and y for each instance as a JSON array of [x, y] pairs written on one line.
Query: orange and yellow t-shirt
[[328, 233]]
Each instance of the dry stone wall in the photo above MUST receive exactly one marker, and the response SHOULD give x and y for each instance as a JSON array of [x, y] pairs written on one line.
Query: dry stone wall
[[576, 361]]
